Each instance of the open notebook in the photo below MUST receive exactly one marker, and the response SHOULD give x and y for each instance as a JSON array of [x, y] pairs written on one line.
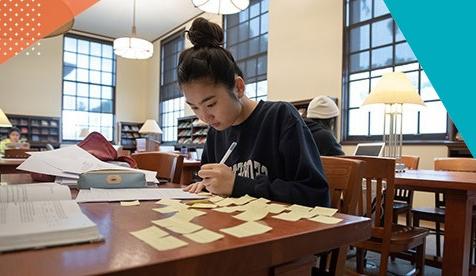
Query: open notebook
[[41, 215]]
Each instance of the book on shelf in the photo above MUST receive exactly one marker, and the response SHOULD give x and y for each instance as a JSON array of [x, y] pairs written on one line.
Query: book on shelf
[[42, 215]]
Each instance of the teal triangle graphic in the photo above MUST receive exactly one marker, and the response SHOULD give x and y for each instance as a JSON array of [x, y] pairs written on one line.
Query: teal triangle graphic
[[442, 36]]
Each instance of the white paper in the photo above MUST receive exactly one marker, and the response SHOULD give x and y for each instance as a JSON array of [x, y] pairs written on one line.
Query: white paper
[[70, 162], [105, 195], [34, 192]]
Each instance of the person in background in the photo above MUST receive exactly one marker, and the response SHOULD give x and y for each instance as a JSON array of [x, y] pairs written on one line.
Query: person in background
[[275, 156], [321, 115], [13, 137]]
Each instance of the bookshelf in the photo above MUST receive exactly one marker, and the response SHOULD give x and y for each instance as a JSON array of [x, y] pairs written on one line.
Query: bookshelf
[[190, 132], [129, 131], [36, 130]]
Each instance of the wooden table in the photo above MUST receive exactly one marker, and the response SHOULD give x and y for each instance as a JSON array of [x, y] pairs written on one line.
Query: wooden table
[[9, 165], [189, 167], [460, 196], [288, 249]]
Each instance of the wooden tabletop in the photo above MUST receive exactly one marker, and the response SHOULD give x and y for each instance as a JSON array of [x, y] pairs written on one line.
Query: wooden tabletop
[[122, 253], [441, 180]]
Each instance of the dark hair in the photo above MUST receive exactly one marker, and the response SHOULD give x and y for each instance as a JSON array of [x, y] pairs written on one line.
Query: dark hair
[[207, 59], [13, 129]]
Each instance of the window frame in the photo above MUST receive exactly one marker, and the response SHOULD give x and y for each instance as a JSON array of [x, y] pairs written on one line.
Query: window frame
[[172, 37], [427, 138], [113, 85]]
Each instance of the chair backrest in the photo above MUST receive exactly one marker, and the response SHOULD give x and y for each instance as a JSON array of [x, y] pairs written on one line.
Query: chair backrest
[[380, 170], [456, 164], [411, 162], [167, 165], [345, 182]]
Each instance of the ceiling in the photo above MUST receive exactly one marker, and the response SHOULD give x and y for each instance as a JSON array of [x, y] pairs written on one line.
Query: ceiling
[[154, 18]]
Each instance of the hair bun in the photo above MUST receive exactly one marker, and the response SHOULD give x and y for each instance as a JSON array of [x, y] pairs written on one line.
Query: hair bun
[[204, 33]]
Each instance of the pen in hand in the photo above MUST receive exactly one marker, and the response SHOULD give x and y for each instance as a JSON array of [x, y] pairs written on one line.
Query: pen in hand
[[228, 152]]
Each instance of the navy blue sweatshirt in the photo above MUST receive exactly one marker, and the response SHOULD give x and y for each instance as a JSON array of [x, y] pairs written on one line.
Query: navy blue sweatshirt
[[275, 157]]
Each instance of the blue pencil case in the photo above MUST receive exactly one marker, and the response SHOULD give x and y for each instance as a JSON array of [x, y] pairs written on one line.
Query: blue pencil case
[[111, 179]]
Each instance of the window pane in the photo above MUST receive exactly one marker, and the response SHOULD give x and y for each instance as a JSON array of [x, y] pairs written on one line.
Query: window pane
[[254, 46], [95, 76], [433, 118], [243, 32], [360, 10], [262, 88], [403, 53], [107, 51], [106, 120], [69, 59], [398, 34], [69, 73], [262, 65], [94, 105], [410, 120], [382, 57], [95, 49], [83, 90], [106, 106], [254, 27], [70, 44], [376, 120], [82, 104], [83, 75], [264, 23], [69, 102], [232, 36], [69, 88], [107, 78], [264, 6], [382, 32], [359, 61], [83, 46], [380, 8], [263, 43], [254, 9], [251, 90], [107, 65], [95, 63], [95, 91], [94, 119], [358, 90], [427, 91], [358, 122], [359, 38], [106, 92]]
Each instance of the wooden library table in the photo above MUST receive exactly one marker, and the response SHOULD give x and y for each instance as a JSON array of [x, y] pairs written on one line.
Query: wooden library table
[[288, 249], [460, 196], [10, 165]]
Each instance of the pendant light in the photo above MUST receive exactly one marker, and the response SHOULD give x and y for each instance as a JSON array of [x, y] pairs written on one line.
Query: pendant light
[[221, 6]]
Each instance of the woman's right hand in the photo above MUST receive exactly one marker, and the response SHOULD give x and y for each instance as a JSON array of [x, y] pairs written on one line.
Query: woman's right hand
[[195, 187]]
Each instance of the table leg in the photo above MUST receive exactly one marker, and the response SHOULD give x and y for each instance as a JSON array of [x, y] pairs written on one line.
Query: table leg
[[459, 209]]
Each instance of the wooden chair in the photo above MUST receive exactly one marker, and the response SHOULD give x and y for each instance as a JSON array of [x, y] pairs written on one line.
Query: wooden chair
[[344, 177], [167, 165], [386, 237], [403, 199], [437, 214]]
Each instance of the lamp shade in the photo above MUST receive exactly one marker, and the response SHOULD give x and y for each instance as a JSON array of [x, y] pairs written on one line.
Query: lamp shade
[[150, 126], [4, 122], [221, 6], [394, 88], [133, 48]]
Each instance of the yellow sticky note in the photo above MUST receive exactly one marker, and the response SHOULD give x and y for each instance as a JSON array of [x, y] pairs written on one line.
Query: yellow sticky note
[[130, 203], [204, 236], [188, 214], [225, 209], [184, 227], [170, 202], [215, 199], [275, 208], [158, 242], [299, 208], [326, 220], [225, 202], [252, 214], [149, 233], [246, 229], [243, 200], [166, 210], [291, 216], [323, 211], [203, 205]]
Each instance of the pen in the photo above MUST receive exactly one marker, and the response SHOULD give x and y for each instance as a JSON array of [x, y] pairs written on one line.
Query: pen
[[228, 152]]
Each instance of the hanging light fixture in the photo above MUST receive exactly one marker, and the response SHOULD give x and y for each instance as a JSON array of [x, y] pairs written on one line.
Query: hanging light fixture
[[133, 47], [221, 6]]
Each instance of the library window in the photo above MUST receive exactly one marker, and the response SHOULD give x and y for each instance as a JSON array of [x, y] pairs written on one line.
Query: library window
[[246, 37], [89, 84], [171, 99], [373, 46]]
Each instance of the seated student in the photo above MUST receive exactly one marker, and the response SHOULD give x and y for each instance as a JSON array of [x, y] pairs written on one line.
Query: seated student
[[13, 137], [275, 156], [321, 114]]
